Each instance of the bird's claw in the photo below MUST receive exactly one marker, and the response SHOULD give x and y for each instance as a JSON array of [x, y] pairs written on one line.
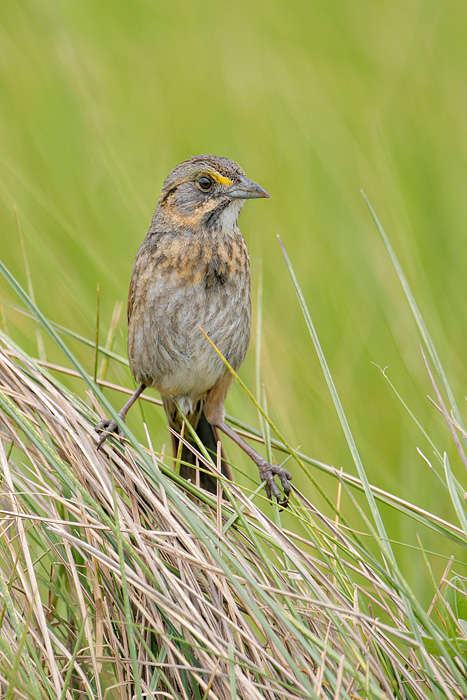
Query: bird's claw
[[105, 427], [267, 473]]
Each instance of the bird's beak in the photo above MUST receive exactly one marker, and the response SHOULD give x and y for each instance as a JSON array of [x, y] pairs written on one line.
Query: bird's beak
[[246, 189]]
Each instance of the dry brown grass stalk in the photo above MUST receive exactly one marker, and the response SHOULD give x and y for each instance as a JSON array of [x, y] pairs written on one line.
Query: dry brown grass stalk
[[250, 611]]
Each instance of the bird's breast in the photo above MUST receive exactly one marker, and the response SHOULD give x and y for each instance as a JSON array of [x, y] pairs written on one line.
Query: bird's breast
[[183, 285], [201, 259]]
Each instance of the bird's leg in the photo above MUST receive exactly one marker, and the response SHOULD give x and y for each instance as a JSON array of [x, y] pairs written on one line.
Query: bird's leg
[[266, 471], [215, 414], [107, 426]]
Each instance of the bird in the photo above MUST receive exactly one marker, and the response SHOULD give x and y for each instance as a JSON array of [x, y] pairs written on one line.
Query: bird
[[190, 290]]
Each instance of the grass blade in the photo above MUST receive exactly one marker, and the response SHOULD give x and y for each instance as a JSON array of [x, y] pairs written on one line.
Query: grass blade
[[340, 411]]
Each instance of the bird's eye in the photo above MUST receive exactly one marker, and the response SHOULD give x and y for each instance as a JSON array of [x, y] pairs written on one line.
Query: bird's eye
[[204, 183]]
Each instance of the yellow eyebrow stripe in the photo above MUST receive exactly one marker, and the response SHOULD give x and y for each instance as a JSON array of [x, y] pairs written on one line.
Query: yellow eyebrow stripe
[[221, 179]]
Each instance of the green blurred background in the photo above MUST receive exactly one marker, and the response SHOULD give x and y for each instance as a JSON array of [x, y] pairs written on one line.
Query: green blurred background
[[315, 100]]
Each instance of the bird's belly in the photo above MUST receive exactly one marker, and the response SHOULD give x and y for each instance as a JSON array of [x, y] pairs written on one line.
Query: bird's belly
[[167, 347]]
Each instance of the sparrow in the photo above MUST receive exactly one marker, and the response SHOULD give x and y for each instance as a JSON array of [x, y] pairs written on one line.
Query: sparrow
[[191, 279]]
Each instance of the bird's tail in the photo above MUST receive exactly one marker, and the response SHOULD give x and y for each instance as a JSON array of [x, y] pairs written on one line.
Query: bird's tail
[[190, 456]]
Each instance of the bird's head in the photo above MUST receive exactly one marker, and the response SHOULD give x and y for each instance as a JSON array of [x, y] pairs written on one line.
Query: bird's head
[[207, 191]]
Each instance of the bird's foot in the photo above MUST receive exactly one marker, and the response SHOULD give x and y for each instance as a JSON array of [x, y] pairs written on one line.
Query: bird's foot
[[105, 428], [267, 473]]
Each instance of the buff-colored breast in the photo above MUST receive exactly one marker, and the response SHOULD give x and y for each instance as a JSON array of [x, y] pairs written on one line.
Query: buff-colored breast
[[181, 283]]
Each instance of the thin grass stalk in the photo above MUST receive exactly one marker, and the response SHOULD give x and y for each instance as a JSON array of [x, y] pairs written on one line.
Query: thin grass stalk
[[429, 344]]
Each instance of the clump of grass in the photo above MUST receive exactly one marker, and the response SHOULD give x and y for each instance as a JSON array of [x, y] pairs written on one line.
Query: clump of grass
[[119, 579]]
